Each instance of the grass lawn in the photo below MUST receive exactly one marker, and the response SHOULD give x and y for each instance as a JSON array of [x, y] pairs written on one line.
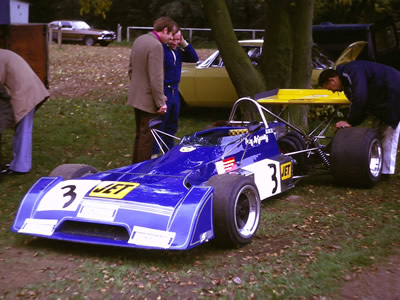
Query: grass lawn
[[310, 240]]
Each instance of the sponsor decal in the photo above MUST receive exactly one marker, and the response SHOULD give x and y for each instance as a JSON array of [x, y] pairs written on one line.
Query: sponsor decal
[[39, 226], [226, 165], [257, 139], [315, 96], [187, 149], [113, 189], [151, 237], [286, 170], [238, 131], [97, 211]]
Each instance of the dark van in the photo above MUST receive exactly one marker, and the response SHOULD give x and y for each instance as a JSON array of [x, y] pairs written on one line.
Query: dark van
[[382, 38]]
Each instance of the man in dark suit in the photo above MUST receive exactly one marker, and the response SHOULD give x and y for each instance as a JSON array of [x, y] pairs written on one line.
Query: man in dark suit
[[176, 51], [371, 88]]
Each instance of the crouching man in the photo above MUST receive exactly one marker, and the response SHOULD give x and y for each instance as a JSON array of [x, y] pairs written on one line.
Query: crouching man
[[371, 88]]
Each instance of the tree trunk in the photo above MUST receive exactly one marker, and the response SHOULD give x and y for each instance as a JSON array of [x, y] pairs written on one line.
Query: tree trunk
[[276, 58], [245, 78], [301, 22], [286, 57]]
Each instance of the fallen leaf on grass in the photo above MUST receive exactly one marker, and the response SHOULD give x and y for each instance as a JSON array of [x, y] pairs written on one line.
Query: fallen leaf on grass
[[237, 280]]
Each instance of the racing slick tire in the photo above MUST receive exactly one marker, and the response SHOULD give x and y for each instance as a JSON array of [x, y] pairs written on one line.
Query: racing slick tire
[[287, 145], [72, 171], [237, 209], [298, 137], [356, 157], [292, 143]]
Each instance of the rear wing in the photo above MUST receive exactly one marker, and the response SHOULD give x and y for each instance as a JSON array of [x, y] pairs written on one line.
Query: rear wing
[[302, 96]]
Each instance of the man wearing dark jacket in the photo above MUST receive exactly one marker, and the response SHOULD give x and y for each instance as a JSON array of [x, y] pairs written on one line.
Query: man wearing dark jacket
[[371, 88], [176, 51]]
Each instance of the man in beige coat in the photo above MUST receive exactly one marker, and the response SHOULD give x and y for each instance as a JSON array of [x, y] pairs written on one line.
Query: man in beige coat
[[27, 91], [146, 90]]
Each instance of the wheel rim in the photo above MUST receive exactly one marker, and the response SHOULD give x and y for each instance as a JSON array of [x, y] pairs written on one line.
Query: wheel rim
[[375, 158], [89, 41], [247, 211]]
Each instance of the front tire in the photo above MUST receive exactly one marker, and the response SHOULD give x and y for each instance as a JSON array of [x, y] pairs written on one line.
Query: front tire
[[89, 41], [236, 209], [73, 171], [356, 157]]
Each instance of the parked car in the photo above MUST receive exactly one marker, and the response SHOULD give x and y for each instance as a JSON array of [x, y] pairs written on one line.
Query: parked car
[[80, 31], [208, 186], [207, 84]]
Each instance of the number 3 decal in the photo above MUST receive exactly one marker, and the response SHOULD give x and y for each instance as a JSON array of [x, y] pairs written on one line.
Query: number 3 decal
[[66, 195], [273, 177], [70, 194]]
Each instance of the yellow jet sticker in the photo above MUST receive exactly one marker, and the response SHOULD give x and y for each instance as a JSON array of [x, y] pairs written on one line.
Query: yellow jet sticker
[[113, 189], [286, 170]]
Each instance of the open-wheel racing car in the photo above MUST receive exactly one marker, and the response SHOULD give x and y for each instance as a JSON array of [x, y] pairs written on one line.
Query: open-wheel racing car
[[208, 186]]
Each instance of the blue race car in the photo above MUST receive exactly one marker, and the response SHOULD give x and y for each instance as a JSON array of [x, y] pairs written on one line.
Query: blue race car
[[208, 186]]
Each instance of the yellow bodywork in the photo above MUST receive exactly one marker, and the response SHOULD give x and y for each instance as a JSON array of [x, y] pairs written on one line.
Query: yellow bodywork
[[305, 96], [209, 87], [351, 52]]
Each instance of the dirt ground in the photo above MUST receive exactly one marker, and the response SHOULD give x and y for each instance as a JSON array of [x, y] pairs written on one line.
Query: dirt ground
[[377, 283], [26, 266], [382, 281], [31, 268]]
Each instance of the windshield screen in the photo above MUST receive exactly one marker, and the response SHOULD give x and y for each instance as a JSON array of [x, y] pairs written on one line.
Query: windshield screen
[[200, 141], [210, 139], [81, 25], [320, 60]]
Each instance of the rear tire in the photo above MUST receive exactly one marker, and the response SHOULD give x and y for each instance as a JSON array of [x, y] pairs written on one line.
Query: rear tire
[[286, 145], [299, 138], [73, 171], [236, 209], [356, 157], [291, 142]]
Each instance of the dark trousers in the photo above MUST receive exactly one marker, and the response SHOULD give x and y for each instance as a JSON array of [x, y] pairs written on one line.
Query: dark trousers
[[1, 156], [170, 119], [144, 140]]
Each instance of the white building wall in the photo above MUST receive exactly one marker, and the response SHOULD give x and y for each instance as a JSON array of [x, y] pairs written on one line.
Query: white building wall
[[19, 12]]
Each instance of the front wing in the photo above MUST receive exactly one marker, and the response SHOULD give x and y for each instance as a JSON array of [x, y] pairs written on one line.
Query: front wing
[[74, 210]]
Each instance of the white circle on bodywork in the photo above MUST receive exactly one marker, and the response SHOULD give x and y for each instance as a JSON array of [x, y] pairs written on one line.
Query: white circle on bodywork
[[187, 149]]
